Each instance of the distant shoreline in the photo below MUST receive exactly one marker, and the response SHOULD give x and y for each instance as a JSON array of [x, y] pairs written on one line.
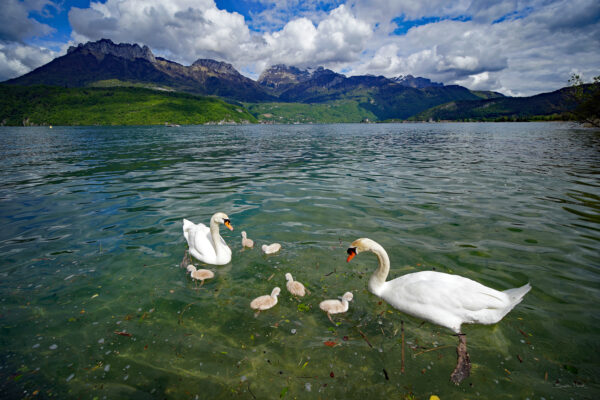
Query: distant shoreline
[[52, 126]]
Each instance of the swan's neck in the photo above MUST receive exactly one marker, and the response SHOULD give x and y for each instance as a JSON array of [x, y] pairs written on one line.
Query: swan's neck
[[216, 237], [345, 304], [377, 280]]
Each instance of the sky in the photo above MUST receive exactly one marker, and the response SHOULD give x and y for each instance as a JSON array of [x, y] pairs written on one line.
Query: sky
[[519, 48]]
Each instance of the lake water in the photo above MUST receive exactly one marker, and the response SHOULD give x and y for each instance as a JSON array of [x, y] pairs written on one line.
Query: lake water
[[91, 243]]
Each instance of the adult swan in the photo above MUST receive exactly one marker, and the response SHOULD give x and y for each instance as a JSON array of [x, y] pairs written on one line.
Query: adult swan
[[444, 299], [206, 244]]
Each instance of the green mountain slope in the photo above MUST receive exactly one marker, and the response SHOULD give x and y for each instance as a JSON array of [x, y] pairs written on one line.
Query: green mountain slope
[[46, 105], [397, 102], [553, 105], [289, 113]]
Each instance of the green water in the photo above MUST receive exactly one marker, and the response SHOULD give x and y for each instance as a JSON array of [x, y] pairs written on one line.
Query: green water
[[91, 242]]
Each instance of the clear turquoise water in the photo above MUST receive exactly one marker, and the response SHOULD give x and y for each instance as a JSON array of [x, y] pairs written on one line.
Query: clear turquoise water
[[91, 243]]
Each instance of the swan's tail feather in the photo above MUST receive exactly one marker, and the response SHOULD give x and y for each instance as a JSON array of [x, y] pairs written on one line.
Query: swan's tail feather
[[187, 226], [516, 295]]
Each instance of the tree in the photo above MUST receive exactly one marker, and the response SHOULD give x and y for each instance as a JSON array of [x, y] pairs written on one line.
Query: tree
[[587, 97]]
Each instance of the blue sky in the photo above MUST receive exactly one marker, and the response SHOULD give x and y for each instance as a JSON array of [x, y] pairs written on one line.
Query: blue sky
[[515, 47]]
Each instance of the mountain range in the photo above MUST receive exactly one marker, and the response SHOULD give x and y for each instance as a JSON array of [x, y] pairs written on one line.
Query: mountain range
[[104, 63], [92, 62]]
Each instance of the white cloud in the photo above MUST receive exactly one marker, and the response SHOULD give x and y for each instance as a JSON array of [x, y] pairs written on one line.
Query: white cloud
[[18, 59], [525, 53], [16, 26], [15, 23], [182, 29], [380, 10], [447, 51], [191, 30], [337, 39], [481, 81], [278, 13]]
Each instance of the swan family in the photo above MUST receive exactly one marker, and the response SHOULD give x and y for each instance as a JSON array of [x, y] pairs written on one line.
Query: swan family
[[443, 299]]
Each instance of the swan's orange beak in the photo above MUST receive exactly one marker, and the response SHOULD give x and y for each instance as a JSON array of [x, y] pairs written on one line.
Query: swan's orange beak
[[351, 253], [227, 223]]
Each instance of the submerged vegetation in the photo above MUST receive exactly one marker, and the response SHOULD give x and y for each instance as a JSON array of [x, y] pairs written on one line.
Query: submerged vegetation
[[52, 105]]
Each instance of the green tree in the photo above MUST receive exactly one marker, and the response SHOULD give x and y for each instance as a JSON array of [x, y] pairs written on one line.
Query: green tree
[[587, 97]]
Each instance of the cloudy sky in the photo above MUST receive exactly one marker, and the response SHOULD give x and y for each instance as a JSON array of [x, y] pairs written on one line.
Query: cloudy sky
[[516, 47]]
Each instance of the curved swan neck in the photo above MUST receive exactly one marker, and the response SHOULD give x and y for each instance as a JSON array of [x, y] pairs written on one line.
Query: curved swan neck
[[378, 278], [345, 304], [215, 235]]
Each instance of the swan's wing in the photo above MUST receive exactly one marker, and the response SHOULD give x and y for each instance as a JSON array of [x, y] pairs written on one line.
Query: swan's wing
[[200, 243], [454, 293]]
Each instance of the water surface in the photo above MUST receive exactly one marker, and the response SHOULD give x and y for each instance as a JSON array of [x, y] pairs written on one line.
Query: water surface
[[91, 243]]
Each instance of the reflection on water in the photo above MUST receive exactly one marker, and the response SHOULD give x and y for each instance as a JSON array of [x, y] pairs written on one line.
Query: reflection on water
[[94, 304]]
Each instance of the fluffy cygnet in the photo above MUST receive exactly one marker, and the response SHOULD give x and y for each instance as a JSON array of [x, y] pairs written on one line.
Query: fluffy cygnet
[[265, 302], [272, 248], [336, 306], [245, 241], [294, 287], [200, 274]]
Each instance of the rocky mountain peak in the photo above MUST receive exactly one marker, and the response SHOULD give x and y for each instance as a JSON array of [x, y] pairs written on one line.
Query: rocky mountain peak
[[416, 82], [322, 71], [280, 74], [215, 66], [104, 47]]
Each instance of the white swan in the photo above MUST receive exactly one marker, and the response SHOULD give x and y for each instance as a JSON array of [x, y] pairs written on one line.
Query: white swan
[[444, 299], [206, 244]]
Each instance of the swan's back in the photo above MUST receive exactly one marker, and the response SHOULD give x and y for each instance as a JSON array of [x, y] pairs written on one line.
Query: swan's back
[[333, 306], [450, 300], [296, 288], [265, 302], [272, 248]]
